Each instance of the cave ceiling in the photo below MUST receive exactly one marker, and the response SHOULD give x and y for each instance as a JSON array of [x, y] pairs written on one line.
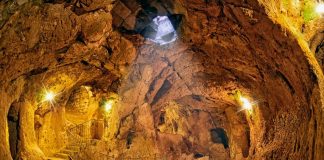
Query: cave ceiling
[[160, 79]]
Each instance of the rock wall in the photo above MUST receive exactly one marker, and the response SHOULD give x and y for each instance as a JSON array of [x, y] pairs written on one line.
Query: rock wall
[[175, 101]]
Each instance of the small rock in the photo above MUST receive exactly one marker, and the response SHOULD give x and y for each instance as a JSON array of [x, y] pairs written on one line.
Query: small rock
[[21, 2]]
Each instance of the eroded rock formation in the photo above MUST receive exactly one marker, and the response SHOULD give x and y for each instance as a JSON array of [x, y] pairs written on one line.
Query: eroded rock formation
[[176, 101]]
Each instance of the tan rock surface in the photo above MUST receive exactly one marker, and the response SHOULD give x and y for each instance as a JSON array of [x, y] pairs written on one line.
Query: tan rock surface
[[119, 96]]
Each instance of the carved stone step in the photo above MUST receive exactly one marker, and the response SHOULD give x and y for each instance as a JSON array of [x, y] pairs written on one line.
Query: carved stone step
[[56, 158], [69, 152], [62, 155]]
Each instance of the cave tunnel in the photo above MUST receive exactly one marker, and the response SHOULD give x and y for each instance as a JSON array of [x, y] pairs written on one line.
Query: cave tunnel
[[161, 79]]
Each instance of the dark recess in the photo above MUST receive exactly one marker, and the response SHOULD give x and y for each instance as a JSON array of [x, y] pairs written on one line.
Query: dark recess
[[163, 90], [218, 135]]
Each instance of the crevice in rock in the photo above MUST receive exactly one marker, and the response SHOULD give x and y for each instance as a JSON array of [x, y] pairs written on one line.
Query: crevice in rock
[[13, 127], [162, 91], [218, 135], [84, 62], [288, 84], [62, 50], [198, 155], [37, 71], [129, 139], [80, 38]]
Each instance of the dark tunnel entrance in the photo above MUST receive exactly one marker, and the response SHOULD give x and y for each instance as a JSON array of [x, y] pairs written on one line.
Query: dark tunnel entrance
[[13, 128]]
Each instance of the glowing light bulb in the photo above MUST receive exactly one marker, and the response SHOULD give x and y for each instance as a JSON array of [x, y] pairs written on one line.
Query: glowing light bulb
[[49, 96], [108, 106], [320, 8], [246, 104]]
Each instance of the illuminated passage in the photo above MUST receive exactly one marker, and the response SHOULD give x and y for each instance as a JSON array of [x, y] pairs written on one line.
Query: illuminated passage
[[164, 30]]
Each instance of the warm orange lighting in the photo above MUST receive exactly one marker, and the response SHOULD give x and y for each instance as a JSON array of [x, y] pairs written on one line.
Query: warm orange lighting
[[246, 104], [49, 96]]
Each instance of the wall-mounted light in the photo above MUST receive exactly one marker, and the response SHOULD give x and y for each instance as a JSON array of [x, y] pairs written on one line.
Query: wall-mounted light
[[49, 96], [320, 8], [108, 105], [246, 104]]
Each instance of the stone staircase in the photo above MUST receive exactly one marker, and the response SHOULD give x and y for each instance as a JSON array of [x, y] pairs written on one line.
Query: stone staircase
[[67, 153], [78, 139]]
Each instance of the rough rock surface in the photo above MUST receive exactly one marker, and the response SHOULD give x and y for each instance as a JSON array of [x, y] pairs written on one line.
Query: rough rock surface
[[175, 101]]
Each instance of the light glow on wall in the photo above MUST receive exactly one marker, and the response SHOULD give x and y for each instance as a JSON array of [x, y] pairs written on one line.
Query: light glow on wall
[[108, 105], [246, 104], [49, 96], [320, 8]]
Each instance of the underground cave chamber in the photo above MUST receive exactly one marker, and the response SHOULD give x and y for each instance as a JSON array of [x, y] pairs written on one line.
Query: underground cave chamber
[[161, 79]]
